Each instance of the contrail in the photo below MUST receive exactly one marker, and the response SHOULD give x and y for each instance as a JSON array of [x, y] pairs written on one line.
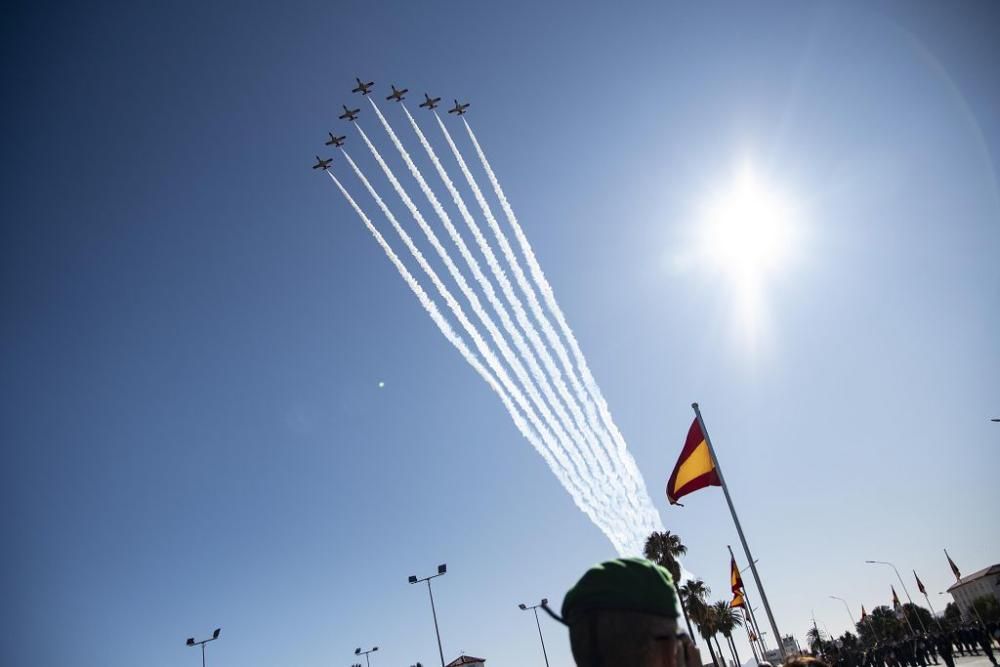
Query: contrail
[[629, 476], [471, 358], [596, 451], [600, 495], [487, 287], [549, 296], [598, 514]]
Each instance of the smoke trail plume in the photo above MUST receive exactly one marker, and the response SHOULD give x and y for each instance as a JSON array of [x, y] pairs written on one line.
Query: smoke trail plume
[[572, 426], [549, 296], [596, 454], [629, 477], [582, 493], [467, 354], [600, 495]]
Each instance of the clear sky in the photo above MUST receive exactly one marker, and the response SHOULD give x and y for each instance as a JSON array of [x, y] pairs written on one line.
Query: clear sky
[[195, 324]]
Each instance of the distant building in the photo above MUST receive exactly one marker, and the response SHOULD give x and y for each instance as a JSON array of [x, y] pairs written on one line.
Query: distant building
[[773, 656], [467, 661], [977, 584]]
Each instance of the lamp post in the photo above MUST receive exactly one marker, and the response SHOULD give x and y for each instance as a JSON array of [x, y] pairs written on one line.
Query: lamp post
[[534, 608], [192, 642], [442, 569], [848, 608], [903, 584], [358, 651]]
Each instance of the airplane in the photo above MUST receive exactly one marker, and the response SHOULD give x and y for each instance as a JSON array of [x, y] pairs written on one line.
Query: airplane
[[335, 141], [349, 114], [363, 88], [459, 108], [431, 102], [397, 94], [323, 164]]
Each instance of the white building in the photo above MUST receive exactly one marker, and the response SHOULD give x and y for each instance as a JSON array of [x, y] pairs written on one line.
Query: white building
[[977, 584]]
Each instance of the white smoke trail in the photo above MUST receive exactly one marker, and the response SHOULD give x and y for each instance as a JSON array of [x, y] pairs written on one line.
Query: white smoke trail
[[467, 354], [599, 495], [581, 493], [501, 310], [549, 296], [628, 475], [596, 453]]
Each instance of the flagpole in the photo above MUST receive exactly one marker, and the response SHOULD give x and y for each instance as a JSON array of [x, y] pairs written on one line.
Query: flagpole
[[749, 607], [739, 529], [933, 613]]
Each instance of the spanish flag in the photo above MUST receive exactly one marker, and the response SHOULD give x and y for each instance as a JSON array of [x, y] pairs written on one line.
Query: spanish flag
[[735, 580], [920, 584], [954, 568], [695, 468], [738, 601], [895, 598]]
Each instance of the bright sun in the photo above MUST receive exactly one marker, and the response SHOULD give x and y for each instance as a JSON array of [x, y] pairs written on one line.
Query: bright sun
[[746, 233], [746, 230]]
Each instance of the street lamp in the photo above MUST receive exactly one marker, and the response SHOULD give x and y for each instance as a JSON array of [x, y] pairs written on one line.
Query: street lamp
[[534, 608], [192, 642], [442, 569], [901, 583], [358, 651], [848, 608]]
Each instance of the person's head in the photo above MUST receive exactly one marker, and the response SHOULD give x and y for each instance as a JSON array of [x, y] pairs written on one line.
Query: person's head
[[805, 661], [623, 613]]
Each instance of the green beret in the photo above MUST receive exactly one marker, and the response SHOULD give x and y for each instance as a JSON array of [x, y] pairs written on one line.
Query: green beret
[[626, 584]]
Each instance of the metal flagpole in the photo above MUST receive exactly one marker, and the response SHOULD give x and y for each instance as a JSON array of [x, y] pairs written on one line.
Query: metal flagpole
[[739, 529], [933, 613], [749, 607]]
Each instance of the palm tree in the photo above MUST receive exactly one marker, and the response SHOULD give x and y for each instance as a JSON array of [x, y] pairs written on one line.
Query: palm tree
[[693, 593], [664, 549], [815, 639], [726, 620]]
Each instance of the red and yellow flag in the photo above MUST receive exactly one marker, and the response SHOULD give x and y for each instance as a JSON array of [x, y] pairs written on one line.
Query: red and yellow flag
[[695, 468], [895, 598], [954, 568], [738, 601], [735, 580], [920, 584]]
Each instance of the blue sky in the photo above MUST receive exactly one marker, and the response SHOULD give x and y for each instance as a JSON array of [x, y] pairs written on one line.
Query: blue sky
[[196, 324]]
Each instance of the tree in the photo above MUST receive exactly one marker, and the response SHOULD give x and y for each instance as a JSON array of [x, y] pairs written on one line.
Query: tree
[[887, 625], [664, 549], [815, 638], [987, 607], [952, 615], [725, 621], [693, 594], [918, 617], [849, 641]]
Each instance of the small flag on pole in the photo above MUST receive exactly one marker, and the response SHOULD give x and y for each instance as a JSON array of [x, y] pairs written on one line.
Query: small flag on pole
[[920, 584], [954, 568], [735, 580], [864, 614], [895, 598], [695, 468], [738, 601]]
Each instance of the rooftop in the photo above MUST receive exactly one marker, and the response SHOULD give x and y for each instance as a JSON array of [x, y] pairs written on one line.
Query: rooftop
[[985, 572]]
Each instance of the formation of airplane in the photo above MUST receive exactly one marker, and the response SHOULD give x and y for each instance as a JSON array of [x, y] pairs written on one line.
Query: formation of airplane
[[349, 114], [397, 95]]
